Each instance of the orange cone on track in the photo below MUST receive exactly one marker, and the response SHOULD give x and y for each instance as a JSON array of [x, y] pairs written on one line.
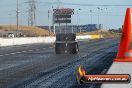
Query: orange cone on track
[[125, 49]]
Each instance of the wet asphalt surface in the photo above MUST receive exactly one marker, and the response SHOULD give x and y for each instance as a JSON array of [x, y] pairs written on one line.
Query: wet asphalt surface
[[37, 65]]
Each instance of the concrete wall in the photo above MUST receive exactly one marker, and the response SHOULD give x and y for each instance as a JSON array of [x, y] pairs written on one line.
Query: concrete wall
[[89, 36], [31, 40], [83, 37], [20, 41]]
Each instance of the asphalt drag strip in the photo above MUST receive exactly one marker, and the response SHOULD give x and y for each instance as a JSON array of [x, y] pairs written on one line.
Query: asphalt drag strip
[[97, 62]]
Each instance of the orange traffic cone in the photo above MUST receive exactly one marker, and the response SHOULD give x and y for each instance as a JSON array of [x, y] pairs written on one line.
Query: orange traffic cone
[[125, 49]]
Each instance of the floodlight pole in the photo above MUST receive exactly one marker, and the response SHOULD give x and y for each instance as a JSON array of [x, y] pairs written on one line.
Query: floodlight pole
[[98, 16], [79, 20], [91, 15], [49, 21], [17, 16]]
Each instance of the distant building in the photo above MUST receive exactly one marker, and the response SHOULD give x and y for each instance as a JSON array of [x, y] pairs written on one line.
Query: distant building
[[91, 27], [75, 28]]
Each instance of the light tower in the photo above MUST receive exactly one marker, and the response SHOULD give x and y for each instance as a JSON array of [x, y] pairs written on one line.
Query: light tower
[[32, 13], [58, 4], [17, 14]]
